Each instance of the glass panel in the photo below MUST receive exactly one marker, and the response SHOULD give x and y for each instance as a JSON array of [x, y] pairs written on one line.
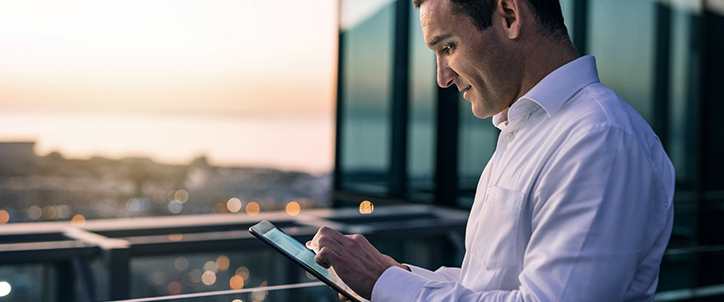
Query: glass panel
[[683, 94], [184, 274], [303, 292], [27, 283], [365, 117], [477, 142], [621, 37], [567, 9], [423, 91], [683, 91]]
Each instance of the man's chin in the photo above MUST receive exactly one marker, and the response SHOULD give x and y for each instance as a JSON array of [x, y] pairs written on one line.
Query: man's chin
[[480, 112]]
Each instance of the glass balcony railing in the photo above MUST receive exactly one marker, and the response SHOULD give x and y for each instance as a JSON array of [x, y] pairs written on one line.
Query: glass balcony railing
[[210, 256]]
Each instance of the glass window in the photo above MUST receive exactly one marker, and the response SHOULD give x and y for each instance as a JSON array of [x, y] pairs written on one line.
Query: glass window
[[422, 128], [366, 95], [477, 141], [621, 38]]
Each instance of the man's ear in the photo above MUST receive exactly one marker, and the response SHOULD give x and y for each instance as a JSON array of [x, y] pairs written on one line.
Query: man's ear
[[510, 12]]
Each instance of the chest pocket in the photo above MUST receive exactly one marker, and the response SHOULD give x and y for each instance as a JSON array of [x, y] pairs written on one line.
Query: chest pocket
[[496, 241]]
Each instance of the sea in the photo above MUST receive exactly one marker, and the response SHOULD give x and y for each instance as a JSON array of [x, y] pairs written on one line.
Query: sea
[[303, 142]]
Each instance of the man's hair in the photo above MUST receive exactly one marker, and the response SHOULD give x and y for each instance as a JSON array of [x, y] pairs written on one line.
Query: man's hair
[[480, 12]]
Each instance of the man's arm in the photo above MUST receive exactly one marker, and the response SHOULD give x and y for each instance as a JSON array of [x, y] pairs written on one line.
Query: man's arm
[[599, 211]]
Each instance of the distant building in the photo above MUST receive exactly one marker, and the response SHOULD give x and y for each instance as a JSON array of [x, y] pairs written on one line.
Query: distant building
[[17, 158]]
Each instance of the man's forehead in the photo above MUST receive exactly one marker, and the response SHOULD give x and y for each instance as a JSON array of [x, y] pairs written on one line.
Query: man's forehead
[[432, 15]]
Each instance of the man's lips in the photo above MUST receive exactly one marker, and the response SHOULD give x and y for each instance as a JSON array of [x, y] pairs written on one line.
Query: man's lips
[[465, 90]]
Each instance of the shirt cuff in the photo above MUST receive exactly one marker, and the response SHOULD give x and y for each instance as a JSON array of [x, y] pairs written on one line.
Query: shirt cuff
[[397, 284]]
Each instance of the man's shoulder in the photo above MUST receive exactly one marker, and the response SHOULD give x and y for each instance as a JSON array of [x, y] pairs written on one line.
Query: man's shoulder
[[597, 106]]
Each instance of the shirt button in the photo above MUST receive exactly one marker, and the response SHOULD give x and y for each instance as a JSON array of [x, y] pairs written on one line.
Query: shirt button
[[510, 136]]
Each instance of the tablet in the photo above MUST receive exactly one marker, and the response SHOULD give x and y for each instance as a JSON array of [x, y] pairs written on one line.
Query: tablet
[[302, 256]]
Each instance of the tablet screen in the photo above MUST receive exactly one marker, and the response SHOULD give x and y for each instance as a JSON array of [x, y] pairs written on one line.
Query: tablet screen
[[300, 254]]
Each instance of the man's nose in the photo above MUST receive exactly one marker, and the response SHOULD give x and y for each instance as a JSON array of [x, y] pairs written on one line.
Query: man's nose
[[445, 75]]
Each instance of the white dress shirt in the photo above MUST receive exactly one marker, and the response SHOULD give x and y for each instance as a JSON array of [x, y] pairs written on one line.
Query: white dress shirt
[[575, 204]]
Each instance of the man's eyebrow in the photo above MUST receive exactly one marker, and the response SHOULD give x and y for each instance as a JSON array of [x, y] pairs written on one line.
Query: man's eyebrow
[[438, 39]]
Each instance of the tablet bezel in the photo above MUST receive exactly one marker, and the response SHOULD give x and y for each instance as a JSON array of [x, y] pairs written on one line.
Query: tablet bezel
[[259, 229]]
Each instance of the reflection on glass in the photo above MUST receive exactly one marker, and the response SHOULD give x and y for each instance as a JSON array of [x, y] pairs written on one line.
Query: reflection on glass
[[296, 249]]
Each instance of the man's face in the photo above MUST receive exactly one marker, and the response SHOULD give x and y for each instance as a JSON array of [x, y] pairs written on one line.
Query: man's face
[[482, 64]]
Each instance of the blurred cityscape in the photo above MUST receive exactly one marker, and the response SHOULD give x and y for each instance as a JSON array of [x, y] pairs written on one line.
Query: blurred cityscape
[[51, 188]]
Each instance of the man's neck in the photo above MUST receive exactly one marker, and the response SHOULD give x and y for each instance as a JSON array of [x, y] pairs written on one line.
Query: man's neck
[[543, 57]]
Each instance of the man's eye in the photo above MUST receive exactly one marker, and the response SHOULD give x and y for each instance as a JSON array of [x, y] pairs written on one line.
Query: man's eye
[[447, 49]]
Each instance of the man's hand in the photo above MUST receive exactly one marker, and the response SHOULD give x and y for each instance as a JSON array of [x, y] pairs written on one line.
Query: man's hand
[[354, 259]]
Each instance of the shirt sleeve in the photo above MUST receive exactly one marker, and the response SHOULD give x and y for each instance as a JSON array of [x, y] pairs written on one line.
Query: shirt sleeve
[[441, 274], [598, 210]]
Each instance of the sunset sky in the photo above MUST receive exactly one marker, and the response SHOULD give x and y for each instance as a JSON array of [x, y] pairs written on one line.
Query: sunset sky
[[241, 81], [168, 56]]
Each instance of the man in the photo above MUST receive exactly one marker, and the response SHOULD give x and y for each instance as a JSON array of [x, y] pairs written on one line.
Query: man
[[576, 202]]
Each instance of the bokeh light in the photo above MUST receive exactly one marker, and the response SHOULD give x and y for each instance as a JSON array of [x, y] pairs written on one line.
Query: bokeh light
[[243, 272], [195, 275], [175, 207], [236, 282], [4, 217], [208, 278], [181, 196], [222, 262], [260, 295], [175, 236], [293, 208], [252, 208], [134, 205], [34, 212], [174, 288], [211, 266], [5, 289], [78, 221], [50, 212], [159, 196], [158, 278], [366, 207], [234, 205], [181, 264]]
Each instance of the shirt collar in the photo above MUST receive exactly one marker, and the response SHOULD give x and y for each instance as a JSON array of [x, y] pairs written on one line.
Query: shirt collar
[[552, 91]]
